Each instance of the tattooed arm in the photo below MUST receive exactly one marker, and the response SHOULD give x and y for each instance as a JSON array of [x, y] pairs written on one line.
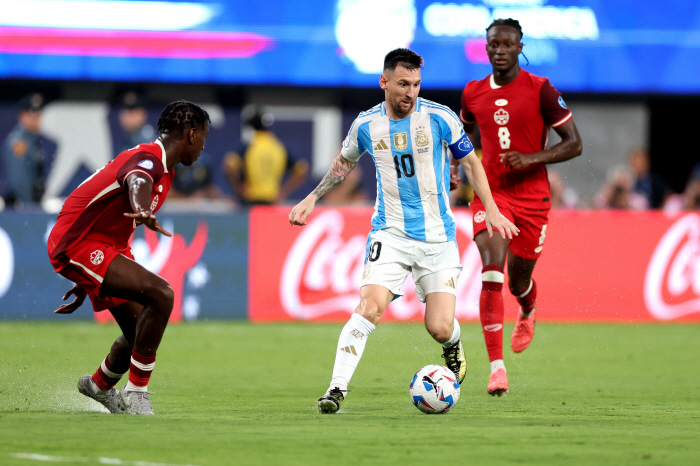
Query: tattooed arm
[[340, 168]]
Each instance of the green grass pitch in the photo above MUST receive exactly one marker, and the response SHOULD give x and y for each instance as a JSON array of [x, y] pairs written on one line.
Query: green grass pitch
[[233, 393]]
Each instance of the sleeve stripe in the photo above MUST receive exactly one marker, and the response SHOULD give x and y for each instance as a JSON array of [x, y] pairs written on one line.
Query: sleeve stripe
[[140, 171], [563, 120]]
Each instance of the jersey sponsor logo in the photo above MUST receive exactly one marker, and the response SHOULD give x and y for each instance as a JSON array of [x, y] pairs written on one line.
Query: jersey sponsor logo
[[561, 102], [422, 139], [154, 203], [480, 216], [381, 145], [493, 327], [146, 163], [450, 283], [96, 257], [501, 116], [400, 141], [501, 102]]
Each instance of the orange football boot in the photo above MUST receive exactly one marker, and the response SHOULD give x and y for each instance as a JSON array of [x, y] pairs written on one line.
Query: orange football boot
[[522, 333], [498, 383]]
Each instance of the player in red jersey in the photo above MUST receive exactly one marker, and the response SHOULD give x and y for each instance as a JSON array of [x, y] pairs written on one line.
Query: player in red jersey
[[89, 245], [514, 111]]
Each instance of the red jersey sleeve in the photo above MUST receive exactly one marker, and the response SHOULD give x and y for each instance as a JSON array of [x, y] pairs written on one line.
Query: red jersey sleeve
[[142, 162], [554, 110], [465, 115]]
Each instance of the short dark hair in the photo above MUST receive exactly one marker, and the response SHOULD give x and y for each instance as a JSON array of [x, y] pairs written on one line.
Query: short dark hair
[[180, 115], [404, 57], [514, 23]]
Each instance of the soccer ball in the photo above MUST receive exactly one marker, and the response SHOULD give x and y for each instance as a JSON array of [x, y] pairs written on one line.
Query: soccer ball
[[434, 389]]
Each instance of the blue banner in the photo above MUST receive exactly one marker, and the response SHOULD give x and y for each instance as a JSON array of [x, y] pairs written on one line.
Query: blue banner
[[205, 263], [582, 46]]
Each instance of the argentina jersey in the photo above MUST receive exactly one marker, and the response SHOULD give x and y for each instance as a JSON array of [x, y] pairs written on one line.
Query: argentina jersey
[[413, 167]]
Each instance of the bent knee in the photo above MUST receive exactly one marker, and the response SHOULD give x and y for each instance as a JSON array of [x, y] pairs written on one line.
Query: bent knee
[[440, 331], [370, 310], [161, 293]]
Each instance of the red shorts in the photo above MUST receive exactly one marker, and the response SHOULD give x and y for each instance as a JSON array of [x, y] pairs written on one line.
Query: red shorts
[[86, 265], [532, 222]]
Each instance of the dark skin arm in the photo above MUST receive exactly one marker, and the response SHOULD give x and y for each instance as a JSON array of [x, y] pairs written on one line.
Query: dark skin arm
[[569, 147], [140, 187]]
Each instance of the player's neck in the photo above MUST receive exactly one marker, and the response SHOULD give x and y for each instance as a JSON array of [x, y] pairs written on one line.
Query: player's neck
[[502, 78], [173, 150]]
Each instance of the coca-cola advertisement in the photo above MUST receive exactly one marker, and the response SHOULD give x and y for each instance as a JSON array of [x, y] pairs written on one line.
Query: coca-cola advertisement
[[595, 266]]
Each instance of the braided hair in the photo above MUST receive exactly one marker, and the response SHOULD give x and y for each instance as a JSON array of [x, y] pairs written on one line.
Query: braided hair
[[180, 115], [514, 23]]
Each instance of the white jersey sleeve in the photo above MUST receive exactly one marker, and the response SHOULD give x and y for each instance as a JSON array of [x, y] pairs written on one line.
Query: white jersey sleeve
[[355, 144]]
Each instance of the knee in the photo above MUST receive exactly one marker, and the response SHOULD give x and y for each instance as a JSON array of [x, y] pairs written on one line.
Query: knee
[[161, 294], [440, 331], [370, 310]]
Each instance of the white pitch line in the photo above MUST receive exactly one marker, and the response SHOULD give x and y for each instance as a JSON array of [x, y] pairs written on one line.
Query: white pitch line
[[78, 459]]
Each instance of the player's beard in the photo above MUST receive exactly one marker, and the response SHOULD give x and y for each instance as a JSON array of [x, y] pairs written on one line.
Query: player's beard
[[398, 111]]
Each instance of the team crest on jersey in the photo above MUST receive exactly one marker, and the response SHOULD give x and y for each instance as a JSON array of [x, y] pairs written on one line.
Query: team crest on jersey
[[501, 102], [480, 216], [422, 139], [154, 204], [501, 116], [96, 257], [561, 102], [400, 141], [145, 163]]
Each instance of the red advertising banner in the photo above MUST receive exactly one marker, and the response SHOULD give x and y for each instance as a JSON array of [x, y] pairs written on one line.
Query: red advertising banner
[[596, 266]]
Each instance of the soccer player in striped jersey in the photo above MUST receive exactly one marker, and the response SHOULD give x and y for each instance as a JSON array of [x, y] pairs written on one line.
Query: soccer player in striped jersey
[[413, 230], [514, 110], [89, 245]]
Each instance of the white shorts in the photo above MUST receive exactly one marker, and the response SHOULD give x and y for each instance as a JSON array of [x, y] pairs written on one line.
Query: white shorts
[[390, 258]]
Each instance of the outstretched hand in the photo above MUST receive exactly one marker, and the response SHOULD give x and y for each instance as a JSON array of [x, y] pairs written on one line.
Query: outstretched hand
[[502, 224], [302, 210], [80, 295], [148, 219]]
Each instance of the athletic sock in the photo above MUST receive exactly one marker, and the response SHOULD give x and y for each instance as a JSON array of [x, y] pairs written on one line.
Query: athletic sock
[[497, 364], [104, 377], [456, 333], [491, 310], [351, 345], [140, 372], [527, 300]]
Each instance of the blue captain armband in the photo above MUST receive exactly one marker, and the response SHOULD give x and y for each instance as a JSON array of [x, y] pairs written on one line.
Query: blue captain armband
[[462, 147]]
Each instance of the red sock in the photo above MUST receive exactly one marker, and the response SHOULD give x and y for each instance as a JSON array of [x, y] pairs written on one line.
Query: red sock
[[491, 310], [104, 377], [527, 297], [140, 369]]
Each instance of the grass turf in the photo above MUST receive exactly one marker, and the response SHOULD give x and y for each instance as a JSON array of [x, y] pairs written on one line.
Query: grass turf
[[244, 394]]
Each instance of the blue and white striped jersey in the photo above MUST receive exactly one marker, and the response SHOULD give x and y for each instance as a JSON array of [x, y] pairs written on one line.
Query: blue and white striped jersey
[[413, 167]]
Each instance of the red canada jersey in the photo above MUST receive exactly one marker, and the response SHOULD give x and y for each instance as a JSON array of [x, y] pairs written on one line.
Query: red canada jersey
[[514, 117], [95, 210]]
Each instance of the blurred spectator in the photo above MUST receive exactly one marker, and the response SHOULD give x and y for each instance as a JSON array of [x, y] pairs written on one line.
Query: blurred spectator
[[689, 199], [618, 193], [257, 173], [646, 183], [133, 119], [196, 181], [24, 156], [562, 196]]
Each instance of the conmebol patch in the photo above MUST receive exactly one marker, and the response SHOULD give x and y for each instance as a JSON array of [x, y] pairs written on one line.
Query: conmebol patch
[[147, 164]]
